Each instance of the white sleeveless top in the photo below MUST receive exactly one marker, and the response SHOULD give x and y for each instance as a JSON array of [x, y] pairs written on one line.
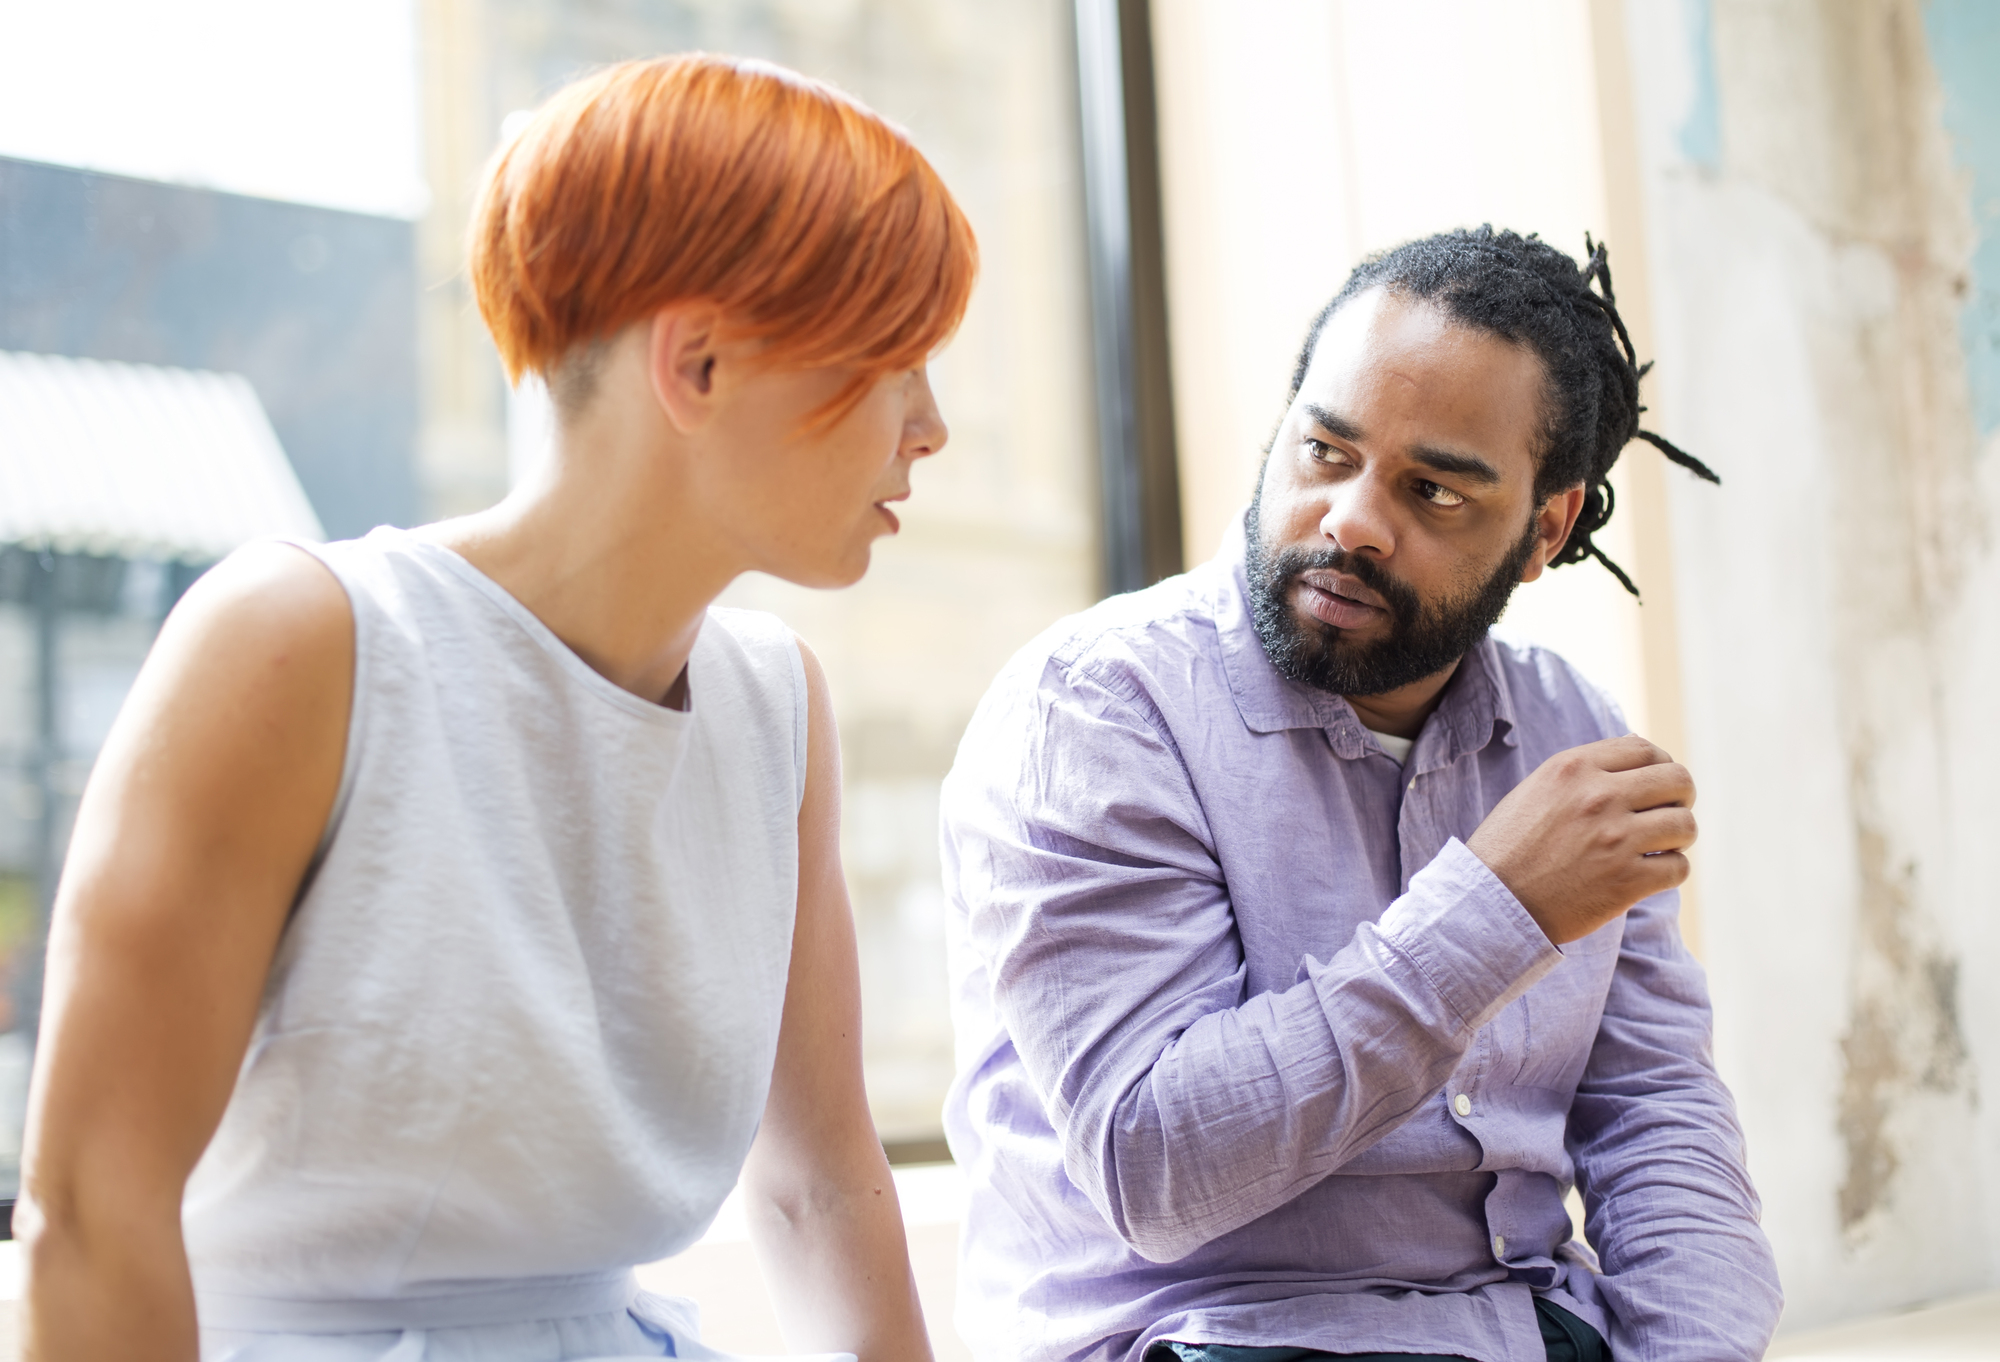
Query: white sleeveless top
[[519, 1031]]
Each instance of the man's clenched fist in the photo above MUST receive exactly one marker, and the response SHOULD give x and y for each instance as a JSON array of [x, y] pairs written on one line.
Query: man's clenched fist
[[1590, 833]]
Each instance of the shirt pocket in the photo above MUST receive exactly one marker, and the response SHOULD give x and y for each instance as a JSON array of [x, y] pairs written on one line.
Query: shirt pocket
[[1559, 1015]]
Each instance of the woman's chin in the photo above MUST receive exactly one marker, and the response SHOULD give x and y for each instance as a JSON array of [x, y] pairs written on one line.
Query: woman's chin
[[829, 574]]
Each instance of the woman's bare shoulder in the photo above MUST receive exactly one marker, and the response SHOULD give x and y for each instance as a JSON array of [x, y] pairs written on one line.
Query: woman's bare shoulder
[[252, 677], [265, 594]]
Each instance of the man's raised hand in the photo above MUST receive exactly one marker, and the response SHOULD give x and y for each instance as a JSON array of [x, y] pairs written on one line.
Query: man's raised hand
[[1590, 833]]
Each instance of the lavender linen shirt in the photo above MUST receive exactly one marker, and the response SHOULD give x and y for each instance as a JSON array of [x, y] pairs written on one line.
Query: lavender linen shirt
[[1252, 1050]]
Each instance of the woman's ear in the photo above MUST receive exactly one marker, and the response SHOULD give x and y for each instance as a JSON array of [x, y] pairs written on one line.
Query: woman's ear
[[681, 356], [1553, 522]]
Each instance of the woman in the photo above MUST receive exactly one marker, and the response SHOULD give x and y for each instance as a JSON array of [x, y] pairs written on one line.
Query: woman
[[454, 914]]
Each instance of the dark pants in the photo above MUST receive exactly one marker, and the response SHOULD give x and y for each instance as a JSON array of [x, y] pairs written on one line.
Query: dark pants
[[1564, 1337]]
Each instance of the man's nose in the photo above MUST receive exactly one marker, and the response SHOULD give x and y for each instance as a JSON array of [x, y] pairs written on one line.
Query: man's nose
[[1357, 517]]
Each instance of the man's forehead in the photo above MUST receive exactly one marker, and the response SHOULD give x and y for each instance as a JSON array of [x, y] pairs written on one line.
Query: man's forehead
[[1379, 329], [1391, 368], [1350, 325]]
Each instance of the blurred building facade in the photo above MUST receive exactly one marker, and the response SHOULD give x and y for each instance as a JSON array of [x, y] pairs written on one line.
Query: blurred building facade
[[315, 308], [1802, 201]]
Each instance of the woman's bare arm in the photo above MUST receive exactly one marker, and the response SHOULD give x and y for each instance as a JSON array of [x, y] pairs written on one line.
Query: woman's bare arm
[[822, 1206], [199, 821]]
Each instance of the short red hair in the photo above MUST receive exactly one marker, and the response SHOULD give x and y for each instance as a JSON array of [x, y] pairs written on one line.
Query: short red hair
[[812, 222]]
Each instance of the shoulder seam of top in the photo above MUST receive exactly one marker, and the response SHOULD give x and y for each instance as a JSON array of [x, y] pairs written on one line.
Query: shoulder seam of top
[[1078, 643], [1124, 689]]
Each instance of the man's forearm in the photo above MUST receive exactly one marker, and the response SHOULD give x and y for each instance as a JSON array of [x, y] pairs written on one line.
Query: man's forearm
[[1184, 1136]]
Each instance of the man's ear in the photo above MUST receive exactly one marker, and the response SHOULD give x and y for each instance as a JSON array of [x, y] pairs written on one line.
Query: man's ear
[[1553, 522], [681, 352]]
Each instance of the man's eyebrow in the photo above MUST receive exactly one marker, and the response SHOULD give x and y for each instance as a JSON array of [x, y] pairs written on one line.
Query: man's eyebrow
[[1468, 466], [1333, 423]]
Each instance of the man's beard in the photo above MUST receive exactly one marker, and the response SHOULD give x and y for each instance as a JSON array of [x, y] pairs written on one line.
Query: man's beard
[[1424, 637]]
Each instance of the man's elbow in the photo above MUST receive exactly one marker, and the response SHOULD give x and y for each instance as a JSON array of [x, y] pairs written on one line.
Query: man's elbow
[[1162, 1239], [1150, 1219], [1119, 1156]]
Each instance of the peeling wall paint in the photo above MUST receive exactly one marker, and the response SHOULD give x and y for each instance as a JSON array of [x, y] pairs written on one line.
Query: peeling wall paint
[[1905, 1034]]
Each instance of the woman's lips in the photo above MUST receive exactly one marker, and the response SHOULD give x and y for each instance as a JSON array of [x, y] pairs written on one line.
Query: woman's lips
[[895, 525], [1342, 612]]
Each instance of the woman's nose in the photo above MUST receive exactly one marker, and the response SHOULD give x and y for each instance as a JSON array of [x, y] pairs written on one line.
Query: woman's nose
[[924, 430]]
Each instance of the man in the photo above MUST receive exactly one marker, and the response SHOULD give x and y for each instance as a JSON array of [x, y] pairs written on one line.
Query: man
[[1308, 944]]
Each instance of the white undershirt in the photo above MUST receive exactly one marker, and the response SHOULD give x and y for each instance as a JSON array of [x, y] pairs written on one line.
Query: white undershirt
[[1397, 748]]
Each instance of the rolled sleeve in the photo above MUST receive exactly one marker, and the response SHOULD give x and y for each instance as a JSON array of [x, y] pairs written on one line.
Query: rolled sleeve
[[1468, 934]]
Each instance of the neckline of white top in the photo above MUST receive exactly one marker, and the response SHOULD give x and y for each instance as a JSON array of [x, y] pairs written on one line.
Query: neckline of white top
[[545, 638]]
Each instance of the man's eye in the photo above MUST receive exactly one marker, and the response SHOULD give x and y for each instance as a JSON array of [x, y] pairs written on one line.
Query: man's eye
[[1439, 496], [1319, 449]]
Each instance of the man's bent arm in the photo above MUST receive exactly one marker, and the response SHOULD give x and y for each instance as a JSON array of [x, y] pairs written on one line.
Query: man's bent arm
[[1670, 1209], [1185, 1110]]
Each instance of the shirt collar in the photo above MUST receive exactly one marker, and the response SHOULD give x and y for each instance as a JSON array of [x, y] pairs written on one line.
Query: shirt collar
[[1477, 706]]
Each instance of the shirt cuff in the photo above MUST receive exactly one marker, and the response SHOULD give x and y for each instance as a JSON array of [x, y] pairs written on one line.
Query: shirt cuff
[[1468, 935]]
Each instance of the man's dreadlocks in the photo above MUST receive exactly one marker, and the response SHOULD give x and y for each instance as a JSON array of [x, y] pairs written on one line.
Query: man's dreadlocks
[[1526, 291]]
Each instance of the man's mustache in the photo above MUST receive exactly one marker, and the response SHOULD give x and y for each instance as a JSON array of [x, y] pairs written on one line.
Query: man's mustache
[[1292, 563]]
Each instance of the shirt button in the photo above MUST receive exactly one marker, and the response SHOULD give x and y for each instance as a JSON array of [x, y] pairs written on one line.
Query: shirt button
[[1499, 1246], [1462, 1105], [1413, 784]]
